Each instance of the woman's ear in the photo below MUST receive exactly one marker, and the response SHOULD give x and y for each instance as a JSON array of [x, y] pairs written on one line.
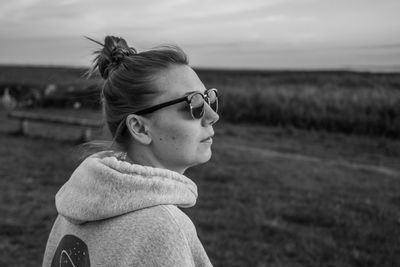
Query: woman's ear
[[138, 127]]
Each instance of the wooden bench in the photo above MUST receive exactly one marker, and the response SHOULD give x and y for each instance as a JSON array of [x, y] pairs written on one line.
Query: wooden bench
[[87, 125]]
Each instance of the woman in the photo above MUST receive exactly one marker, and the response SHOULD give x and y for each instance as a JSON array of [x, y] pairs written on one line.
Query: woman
[[120, 206]]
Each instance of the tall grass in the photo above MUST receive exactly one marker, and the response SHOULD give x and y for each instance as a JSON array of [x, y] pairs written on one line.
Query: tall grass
[[343, 102], [363, 112], [350, 102]]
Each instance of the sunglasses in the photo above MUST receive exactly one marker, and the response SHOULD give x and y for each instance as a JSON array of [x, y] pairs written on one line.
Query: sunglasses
[[195, 100]]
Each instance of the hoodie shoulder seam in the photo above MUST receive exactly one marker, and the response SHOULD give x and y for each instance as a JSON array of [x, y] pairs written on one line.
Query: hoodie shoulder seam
[[177, 225]]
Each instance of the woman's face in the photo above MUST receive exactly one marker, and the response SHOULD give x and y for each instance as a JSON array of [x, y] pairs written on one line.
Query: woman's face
[[177, 138]]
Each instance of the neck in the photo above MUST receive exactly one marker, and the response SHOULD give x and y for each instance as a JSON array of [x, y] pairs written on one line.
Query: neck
[[146, 158]]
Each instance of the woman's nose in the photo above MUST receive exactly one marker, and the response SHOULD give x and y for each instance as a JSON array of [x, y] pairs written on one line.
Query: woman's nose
[[210, 116]]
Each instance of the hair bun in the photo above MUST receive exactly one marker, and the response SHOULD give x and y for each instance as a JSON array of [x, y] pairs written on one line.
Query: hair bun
[[115, 49]]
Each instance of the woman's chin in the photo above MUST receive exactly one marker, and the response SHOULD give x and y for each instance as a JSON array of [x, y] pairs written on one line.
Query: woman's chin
[[206, 156]]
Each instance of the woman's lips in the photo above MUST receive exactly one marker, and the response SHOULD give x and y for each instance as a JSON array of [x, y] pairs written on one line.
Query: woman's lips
[[208, 140]]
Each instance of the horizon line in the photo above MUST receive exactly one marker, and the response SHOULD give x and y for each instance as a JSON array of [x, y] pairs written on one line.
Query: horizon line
[[388, 69]]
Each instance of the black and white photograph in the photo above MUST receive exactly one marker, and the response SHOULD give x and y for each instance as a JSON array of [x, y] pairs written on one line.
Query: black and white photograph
[[184, 133]]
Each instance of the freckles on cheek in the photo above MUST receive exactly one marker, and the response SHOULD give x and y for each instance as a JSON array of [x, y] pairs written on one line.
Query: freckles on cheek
[[174, 134], [170, 137], [179, 141]]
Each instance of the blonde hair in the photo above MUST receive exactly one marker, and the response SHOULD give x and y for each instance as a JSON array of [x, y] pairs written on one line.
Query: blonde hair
[[128, 86]]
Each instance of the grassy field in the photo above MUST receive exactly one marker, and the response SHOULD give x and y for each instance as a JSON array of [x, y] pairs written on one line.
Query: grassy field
[[40, 77], [348, 102], [337, 101], [297, 198]]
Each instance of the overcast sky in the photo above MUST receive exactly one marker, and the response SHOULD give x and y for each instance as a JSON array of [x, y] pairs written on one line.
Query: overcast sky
[[215, 33]]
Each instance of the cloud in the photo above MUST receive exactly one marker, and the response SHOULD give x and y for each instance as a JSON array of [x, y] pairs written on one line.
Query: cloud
[[207, 27]]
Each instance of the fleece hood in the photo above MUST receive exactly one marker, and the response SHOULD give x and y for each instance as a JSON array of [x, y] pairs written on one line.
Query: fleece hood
[[104, 186]]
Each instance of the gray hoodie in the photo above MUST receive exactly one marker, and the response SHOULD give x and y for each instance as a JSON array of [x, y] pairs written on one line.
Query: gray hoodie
[[114, 213]]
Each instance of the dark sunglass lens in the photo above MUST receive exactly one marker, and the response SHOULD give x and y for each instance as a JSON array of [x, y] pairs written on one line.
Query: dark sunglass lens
[[198, 112], [197, 104]]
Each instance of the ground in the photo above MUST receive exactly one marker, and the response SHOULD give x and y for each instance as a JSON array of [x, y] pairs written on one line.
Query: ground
[[268, 197]]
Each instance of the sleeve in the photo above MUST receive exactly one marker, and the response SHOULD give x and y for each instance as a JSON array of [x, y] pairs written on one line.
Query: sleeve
[[165, 245]]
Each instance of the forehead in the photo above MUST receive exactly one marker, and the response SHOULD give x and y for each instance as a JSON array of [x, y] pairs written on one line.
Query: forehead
[[176, 81]]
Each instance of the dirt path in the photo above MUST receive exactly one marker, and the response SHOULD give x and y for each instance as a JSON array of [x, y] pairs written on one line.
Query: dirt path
[[299, 157]]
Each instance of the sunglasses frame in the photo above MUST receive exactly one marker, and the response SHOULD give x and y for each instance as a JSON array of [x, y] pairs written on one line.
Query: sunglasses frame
[[187, 98]]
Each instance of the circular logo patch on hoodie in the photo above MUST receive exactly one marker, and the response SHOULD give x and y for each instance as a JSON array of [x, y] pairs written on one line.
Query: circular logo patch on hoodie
[[71, 252]]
